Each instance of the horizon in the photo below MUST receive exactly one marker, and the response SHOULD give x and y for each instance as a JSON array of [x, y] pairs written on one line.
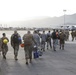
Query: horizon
[[38, 22]]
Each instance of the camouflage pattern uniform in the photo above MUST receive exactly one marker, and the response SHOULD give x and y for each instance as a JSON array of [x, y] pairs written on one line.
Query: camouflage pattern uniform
[[4, 46], [28, 46], [15, 45], [67, 35], [62, 40], [73, 35], [0, 46]]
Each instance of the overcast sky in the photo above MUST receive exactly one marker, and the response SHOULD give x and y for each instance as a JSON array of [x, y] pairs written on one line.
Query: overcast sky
[[14, 10]]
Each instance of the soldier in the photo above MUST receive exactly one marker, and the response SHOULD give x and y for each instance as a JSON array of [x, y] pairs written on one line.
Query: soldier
[[28, 46], [4, 46], [15, 42], [72, 34], [0, 46], [62, 40], [75, 34], [67, 35]]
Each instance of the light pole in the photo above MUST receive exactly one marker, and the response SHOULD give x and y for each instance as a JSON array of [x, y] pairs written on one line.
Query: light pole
[[64, 16]]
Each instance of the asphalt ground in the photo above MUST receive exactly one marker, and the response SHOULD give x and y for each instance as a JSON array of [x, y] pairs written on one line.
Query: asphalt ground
[[61, 62]]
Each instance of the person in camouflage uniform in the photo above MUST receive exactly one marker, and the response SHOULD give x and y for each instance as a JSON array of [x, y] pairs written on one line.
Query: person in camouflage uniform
[[0, 46], [67, 35], [4, 46], [28, 46], [15, 44], [62, 40], [73, 35]]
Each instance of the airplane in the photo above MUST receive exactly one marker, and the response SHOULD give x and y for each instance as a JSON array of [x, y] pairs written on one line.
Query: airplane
[[67, 27]]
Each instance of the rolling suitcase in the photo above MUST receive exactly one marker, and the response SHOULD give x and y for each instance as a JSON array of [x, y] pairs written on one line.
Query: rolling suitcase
[[36, 54]]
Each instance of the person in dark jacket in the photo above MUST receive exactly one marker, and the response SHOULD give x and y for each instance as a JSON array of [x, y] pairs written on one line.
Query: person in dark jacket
[[15, 42], [54, 37]]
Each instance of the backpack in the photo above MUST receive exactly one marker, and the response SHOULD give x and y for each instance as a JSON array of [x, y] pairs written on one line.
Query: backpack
[[48, 37], [28, 39], [54, 35], [62, 36], [15, 38]]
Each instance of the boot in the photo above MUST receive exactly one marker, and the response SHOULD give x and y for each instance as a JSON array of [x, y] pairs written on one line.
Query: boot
[[16, 58], [26, 61], [4, 57]]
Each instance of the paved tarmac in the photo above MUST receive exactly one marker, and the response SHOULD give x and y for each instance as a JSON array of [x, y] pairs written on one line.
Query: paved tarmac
[[61, 62]]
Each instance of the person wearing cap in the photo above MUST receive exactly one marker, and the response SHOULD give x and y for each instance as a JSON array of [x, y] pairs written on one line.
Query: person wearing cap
[[4, 45], [15, 42]]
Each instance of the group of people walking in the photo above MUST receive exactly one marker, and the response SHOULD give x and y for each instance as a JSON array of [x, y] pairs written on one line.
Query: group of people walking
[[15, 42], [57, 37], [40, 40]]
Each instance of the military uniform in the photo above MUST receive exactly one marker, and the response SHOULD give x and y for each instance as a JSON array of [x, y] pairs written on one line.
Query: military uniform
[[28, 46], [0, 46], [4, 47], [73, 35], [15, 45], [62, 40], [67, 35]]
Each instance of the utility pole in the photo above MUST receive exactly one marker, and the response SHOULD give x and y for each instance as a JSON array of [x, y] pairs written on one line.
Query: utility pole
[[64, 16]]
